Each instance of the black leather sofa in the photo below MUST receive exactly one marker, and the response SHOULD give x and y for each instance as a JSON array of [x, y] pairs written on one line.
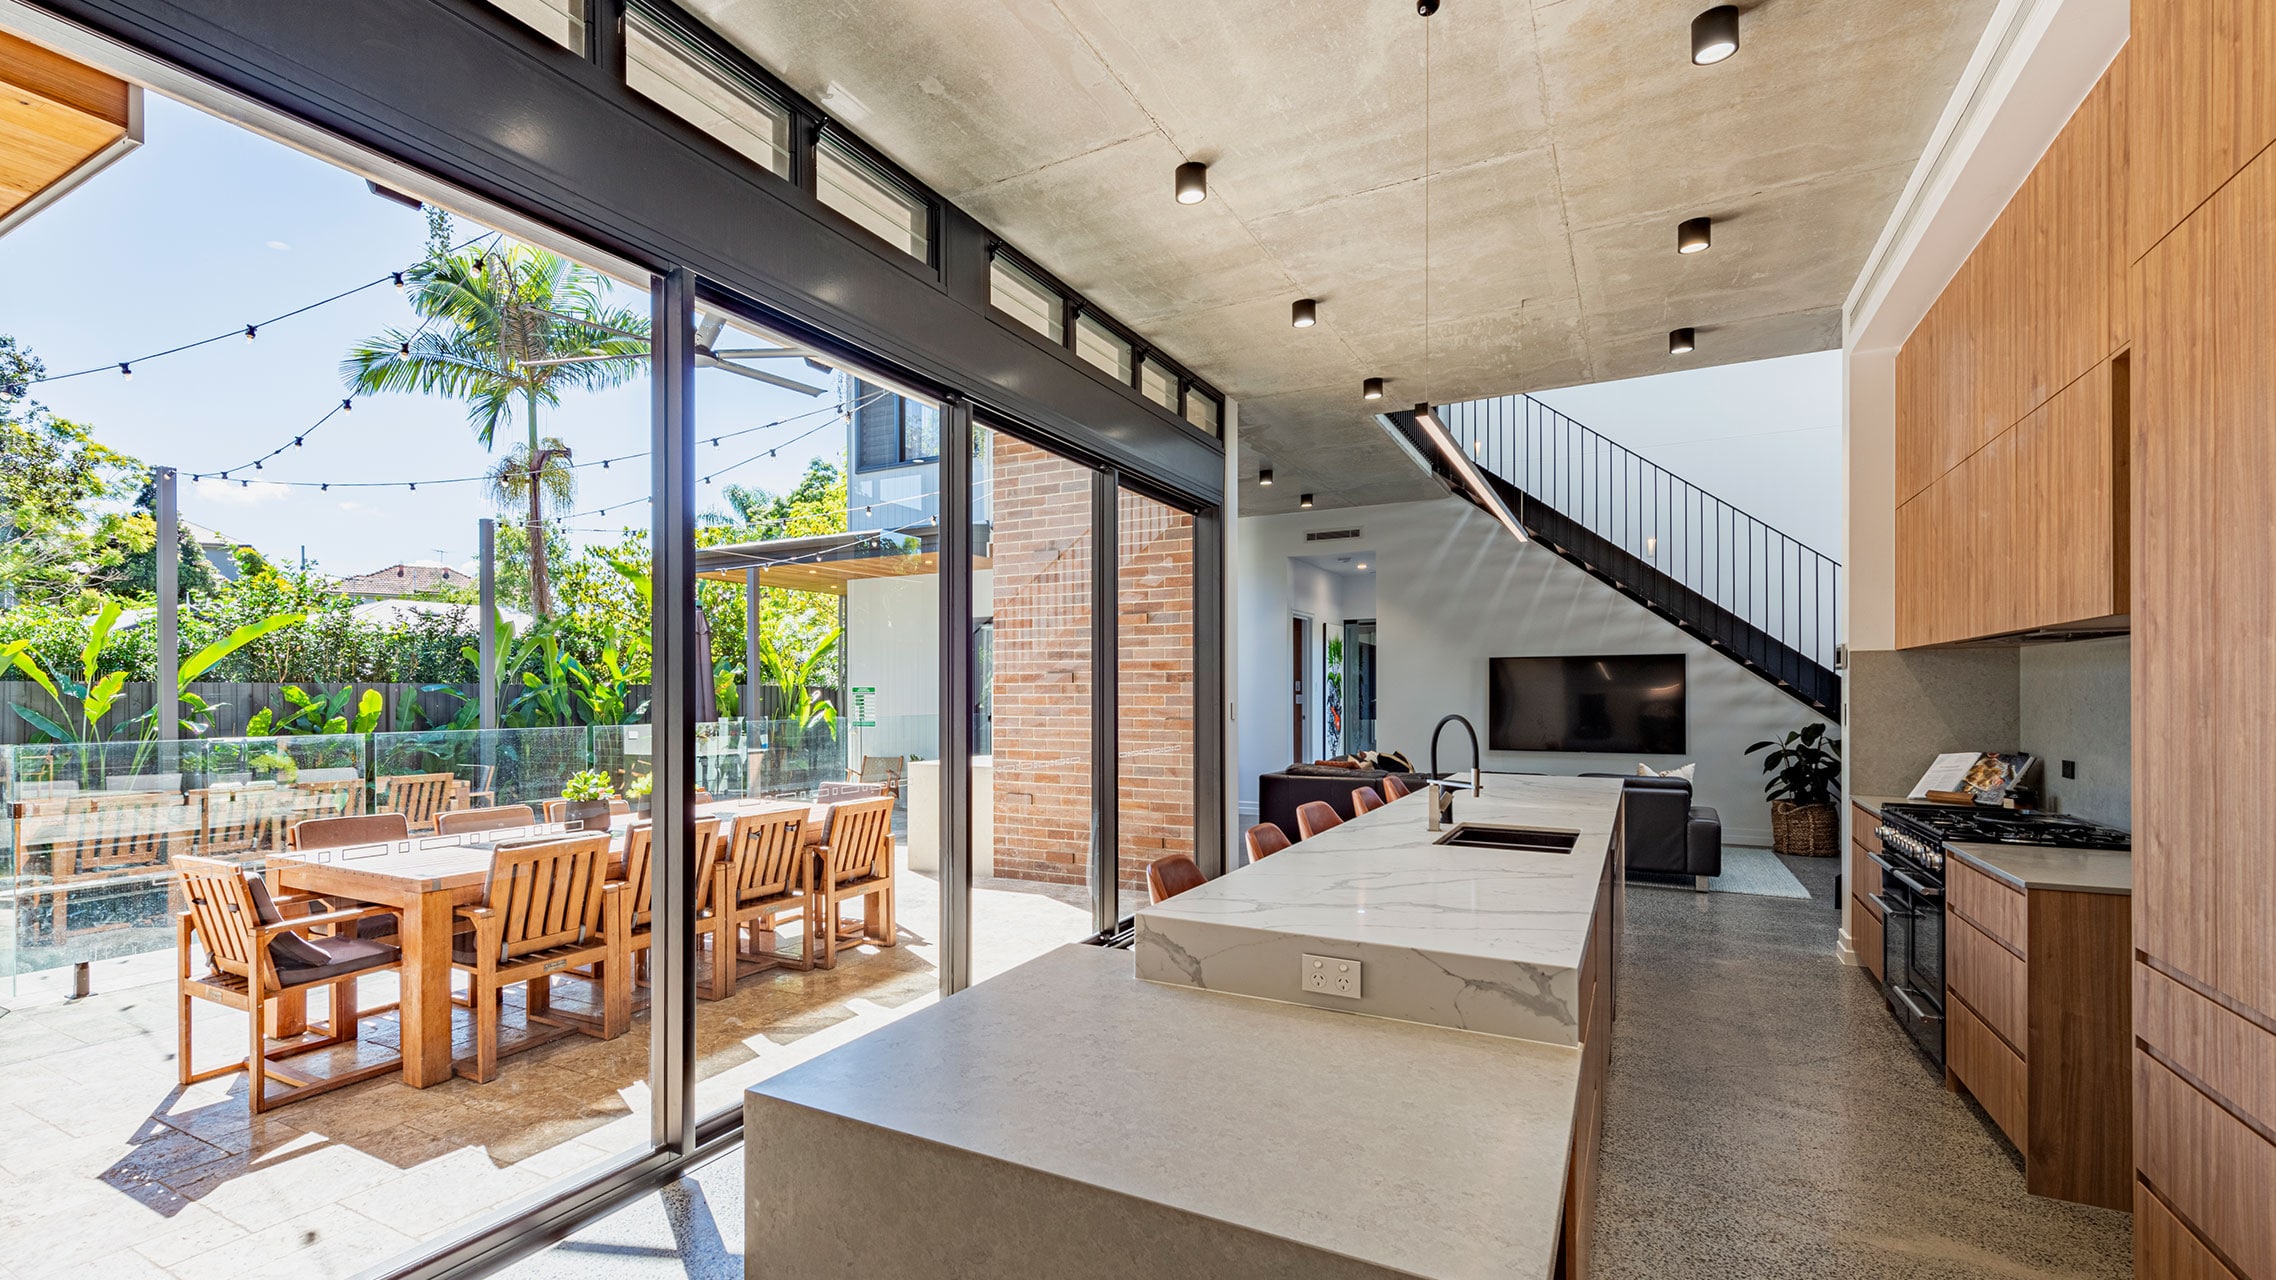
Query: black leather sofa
[[1278, 794], [1667, 834]]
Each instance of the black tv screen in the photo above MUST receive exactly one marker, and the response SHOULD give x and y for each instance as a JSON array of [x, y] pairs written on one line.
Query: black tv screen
[[1628, 703]]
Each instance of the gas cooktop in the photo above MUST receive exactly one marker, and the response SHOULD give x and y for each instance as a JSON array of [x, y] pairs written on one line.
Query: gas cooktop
[[1958, 824]]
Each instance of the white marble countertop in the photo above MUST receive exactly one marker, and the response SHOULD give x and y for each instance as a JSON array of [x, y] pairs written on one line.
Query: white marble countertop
[[1482, 939], [1437, 1153], [2032, 866]]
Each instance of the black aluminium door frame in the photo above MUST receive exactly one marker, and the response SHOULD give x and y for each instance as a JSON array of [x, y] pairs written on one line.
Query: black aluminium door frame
[[460, 91]]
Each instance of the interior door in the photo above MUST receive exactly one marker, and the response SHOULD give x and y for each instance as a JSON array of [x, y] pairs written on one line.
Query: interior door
[[1300, 633]]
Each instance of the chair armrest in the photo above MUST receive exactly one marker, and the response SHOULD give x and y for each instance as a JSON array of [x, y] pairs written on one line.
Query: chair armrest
[[300, 926]]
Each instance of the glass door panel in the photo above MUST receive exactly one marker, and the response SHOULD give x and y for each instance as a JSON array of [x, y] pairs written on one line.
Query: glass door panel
[[1154, 601]]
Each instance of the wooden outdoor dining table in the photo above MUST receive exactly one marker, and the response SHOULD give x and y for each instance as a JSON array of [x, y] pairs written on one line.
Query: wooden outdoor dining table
[[428, 882]]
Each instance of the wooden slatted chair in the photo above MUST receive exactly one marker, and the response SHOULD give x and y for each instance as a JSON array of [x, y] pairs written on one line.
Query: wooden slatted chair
[[639, 885], [417, 796], [1264, 840], [1168, 877], [547, 908], [1314, 817], [341, 833], [327, 797], [1393, 789], [460, 821], [856, 861], [1366, 800], [255, 954], [763, 878]]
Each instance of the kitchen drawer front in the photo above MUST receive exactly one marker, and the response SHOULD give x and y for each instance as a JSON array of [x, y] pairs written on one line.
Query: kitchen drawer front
[[1868, 941], [1988, 904], [2235, 1058], [1992, 1072], [1862, 824], [1864, 873], [1993, 982], [2167, 1250], [2217, 1174]]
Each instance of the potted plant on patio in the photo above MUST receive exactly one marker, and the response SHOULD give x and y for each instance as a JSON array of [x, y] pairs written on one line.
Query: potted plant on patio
[[1805, 775], [636, 792], [588, 793]]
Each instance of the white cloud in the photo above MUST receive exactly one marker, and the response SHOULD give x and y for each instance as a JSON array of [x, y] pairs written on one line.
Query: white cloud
[[230, 493], [280, 246]]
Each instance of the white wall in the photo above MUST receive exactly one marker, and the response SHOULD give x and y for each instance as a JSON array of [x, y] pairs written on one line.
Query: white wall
[[1763, 435], [1453, 590], [893, 646]]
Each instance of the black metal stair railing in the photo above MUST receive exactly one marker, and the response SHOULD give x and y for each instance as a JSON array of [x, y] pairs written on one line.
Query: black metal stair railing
[[1752, 591]]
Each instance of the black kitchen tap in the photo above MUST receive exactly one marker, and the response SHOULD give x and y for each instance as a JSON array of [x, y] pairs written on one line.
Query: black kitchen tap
[[1477, 758]]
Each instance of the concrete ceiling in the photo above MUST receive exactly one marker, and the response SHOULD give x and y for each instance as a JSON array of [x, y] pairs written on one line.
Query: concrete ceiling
[[1568, 138]]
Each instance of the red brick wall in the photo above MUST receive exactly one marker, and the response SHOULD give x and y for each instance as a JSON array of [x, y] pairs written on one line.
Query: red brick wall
[[1041, 552], [1040, 549], [1154, 636]]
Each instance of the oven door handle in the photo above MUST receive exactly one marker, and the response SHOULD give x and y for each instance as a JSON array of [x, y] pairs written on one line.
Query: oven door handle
[[1914, 1005], [1929, 893], [1888, 908]]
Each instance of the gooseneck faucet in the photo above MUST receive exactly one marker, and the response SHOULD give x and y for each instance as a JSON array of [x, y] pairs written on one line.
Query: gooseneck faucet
[[1477, 758]]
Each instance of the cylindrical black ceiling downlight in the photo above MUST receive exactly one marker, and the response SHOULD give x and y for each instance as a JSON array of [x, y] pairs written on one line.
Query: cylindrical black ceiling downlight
[[1264, 476], [1694, 235], [1304, 500], [1192, 182], [1680, 342], [1372, 389], [1715, 35], [1426, 7], [1305, 313]]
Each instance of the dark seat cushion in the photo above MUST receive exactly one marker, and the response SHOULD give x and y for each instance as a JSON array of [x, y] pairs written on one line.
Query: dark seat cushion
[[340, 957]]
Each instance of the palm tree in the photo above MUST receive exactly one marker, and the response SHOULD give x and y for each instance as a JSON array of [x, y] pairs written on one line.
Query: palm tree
[[508, 332]]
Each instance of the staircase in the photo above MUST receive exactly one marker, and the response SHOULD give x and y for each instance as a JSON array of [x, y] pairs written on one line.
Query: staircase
[[1753, 594]]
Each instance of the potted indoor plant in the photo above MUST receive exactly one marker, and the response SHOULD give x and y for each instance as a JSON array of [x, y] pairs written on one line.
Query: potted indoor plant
[[1805, 775], [588, 793]]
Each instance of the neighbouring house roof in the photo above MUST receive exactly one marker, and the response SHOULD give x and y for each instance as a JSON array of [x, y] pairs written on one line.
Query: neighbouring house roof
[[403, 580], [392, 612]]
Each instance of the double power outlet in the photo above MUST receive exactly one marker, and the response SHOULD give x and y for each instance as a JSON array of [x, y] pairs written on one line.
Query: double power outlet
[[1329, 976]]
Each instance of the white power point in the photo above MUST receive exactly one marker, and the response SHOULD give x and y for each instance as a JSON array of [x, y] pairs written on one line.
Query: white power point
[[1330, 976]]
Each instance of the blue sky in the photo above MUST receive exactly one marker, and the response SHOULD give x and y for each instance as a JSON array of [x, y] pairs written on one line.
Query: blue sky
[[207, 227]]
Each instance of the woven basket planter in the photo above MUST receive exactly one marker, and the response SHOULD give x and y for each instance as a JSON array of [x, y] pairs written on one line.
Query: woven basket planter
[[1805, 830]]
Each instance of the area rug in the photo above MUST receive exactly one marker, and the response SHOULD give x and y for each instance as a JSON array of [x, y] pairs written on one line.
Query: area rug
[[1755, 871]]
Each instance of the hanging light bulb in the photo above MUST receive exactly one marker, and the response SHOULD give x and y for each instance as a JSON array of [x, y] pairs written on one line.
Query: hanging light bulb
[[252, 331], [404, 349], [399, 282], [324, 488], [347, 406], [126, 371], [296, 442]]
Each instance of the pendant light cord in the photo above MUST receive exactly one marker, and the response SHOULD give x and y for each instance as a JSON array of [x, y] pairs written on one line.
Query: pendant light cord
[[1427, 368]]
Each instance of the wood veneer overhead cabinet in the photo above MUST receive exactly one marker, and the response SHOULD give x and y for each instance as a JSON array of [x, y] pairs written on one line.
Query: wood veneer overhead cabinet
[[2011, 399], [57, 117], [2203, 201]]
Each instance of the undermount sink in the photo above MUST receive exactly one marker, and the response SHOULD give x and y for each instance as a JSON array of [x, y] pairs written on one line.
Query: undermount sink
[[1483, 835]]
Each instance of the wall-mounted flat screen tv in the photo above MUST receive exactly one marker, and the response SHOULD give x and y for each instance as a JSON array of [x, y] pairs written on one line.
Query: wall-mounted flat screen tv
[[1627, 703]]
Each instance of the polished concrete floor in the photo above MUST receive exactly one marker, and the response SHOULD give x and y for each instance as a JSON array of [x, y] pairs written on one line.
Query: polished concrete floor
[[1764, 1118]]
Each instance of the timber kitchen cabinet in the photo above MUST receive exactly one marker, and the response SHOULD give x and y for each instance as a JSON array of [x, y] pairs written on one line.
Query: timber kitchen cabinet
[[2011, 407]]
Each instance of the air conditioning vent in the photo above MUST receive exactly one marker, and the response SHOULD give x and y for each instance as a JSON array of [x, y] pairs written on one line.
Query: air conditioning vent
[[1332, 535]]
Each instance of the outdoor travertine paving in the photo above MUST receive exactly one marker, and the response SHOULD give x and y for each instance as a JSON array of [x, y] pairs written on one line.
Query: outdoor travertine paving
[[108, 1168]]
